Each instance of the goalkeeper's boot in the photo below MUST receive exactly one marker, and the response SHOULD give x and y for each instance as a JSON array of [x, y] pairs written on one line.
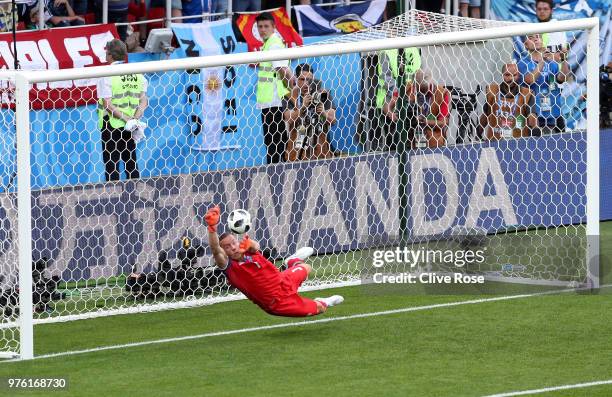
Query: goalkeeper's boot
[[298, 257], [331, 301]]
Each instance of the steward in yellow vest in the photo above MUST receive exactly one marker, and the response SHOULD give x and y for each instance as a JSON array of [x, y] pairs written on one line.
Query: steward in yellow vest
[[388, 72], [274, 82], [385, 136], [121, 100]]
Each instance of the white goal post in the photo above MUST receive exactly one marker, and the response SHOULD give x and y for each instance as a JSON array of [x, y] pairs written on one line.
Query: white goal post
[[23, 81]]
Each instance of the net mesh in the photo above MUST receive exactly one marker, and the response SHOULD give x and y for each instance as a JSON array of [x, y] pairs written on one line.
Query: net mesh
[[418, 23], [455, 147]]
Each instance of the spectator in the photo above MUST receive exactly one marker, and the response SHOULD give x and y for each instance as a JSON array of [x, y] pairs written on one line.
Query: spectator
[[132, 42], [429, 5], [431, 108], [542, 75], [555, 42], [176, 7], [274, 81], [122, 99], [309, 113], [385, 134], [246, 5], [218, 7], [137, 10], [6, 17], [62, 14], [192, 8], [35, 19], [80, 7], [508, 106], [117, 13], [472, 5], [23, 10]]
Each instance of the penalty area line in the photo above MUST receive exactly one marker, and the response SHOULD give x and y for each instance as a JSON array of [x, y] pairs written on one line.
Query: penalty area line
[[295, 324], [553, 388]]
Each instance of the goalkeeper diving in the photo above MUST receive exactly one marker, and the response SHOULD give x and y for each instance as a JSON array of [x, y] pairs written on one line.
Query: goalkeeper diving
[[258, 279]]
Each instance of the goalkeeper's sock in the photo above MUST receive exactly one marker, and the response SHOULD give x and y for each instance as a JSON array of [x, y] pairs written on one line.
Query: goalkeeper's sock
[[331, 301], [293, 262], [299, 257]]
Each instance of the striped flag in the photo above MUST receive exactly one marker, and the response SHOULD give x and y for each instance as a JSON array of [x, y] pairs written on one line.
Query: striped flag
[[314, 20]]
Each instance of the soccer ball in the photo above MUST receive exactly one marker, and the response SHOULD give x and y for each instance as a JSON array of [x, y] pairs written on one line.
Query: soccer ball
[[239, 221]]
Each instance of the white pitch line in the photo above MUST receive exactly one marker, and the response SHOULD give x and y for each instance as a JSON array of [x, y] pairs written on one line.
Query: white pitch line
[[296, 324], [547, 389]]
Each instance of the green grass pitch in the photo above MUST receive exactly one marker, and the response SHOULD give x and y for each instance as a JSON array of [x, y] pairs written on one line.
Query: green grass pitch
[[462, 350]]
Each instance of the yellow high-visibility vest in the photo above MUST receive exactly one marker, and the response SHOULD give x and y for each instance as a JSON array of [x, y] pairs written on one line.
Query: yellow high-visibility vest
[[267, 78], [413, 63], [126, 91]]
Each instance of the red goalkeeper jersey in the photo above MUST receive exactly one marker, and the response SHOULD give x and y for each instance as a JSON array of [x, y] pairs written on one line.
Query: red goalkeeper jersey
[[257, 278]]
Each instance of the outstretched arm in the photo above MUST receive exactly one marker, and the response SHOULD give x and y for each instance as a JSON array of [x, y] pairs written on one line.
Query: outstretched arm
[[212, 220], [249, 246], [217, 251]]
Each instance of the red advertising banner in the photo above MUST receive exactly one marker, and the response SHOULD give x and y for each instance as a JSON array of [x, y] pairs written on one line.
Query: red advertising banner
[[57, 49]]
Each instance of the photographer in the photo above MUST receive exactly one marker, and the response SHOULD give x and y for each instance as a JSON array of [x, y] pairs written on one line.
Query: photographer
[[385, 136], [430, 111], [507, 111], [554, 42], [309, 113], [61, 14], [542, 75]]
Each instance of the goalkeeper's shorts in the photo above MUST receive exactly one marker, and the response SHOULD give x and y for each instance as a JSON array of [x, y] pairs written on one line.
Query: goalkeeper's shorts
[[289, 303]]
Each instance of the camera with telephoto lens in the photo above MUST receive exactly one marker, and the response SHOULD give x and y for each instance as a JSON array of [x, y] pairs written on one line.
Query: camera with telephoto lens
[[44, 291], [186, 279], [319, 97], [463, 101], [44, 288], [313, 121], [318, 94]]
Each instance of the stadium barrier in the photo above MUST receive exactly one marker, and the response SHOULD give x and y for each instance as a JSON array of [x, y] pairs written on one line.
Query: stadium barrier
[[335, 205]]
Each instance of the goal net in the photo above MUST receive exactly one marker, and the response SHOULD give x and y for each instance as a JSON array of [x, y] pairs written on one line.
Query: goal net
[[428, 134]]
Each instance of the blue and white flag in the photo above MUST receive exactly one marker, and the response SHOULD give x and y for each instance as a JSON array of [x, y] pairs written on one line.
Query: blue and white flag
[[205, 39], [314, 20], [524, 11]]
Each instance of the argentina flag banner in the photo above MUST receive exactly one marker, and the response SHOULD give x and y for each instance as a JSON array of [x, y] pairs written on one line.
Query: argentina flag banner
[[209, 93]]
